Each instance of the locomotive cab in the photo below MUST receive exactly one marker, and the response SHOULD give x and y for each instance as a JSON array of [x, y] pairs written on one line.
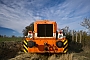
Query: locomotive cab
[[45, 38]]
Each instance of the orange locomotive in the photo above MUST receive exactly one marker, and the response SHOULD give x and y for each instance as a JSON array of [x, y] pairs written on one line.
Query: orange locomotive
[[45, 38]]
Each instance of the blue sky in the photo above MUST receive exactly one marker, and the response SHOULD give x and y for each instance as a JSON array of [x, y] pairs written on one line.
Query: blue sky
[[16, 14]]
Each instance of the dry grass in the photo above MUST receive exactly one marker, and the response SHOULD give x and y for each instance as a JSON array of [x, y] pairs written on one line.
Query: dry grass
[[61, 57], [71, 56], [66, 57]]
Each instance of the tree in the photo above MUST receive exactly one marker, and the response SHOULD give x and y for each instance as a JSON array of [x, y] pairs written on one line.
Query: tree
[[86, 23], [28, 28], [13, 36], [0, 35]]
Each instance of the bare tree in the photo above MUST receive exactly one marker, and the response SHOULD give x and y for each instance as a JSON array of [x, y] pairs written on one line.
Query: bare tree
[[86, 23]]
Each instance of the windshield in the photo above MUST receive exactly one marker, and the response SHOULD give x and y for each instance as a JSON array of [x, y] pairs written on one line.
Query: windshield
[[45, 30]]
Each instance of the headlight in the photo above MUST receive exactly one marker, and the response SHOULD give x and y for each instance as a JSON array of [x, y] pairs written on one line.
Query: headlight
[[60, 35], [30, 36], [31, 44], [59, 44]]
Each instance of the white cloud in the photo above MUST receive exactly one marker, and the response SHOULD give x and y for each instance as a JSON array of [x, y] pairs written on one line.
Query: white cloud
[[70, 12], [15, 14], [15, 19]]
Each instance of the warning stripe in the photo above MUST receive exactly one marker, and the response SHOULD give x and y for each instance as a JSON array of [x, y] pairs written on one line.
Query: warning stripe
[[25, 42], [25, 50], [65, 51], [66, 46], [65, 43], [25, 47]]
